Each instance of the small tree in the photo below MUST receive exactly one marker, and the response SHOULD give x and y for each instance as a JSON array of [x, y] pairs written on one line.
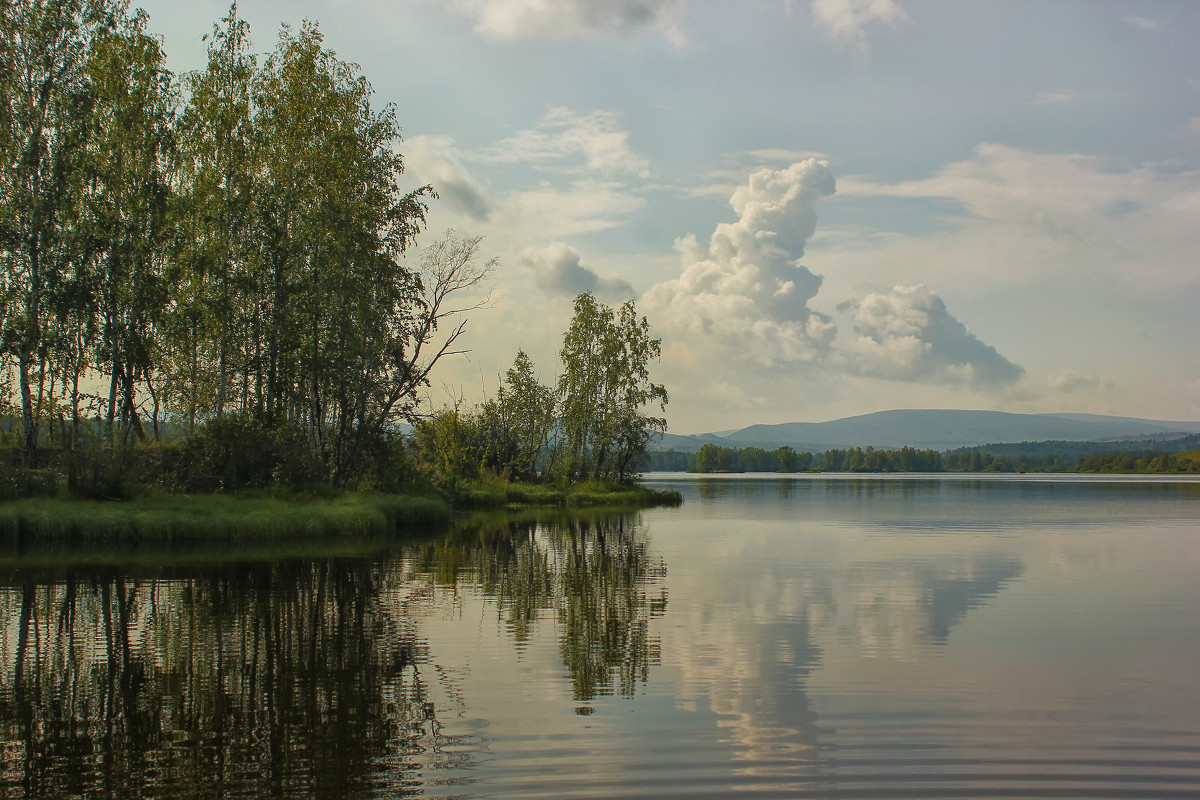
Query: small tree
[[530, 413], [603, 388]]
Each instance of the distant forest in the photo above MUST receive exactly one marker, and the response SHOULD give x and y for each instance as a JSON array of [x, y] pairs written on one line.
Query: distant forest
[[1173, 456]]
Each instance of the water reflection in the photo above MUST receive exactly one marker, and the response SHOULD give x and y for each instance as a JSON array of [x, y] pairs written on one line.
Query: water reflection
[[901, 607], [593, 572], [828, 639], [264, 679], [301, 677]]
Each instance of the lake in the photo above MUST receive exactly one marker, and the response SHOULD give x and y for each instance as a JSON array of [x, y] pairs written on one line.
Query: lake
[[826, 636]]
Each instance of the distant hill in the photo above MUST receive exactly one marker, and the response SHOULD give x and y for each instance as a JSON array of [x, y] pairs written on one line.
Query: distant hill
[[938, 429]]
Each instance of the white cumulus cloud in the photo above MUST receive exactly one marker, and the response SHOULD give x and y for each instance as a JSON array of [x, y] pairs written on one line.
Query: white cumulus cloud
[[746, 292], [558, 269], [512, 20], [846, 21], [907, 334]]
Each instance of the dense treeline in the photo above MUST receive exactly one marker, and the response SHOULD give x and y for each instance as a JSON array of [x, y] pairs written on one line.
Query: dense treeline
[[714, 458], [1127, 462], [222, 260], [1071, 452], [224, 254]]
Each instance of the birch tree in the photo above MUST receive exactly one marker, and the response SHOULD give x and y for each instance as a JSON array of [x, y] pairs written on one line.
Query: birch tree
[[44, 109], [603, 390]]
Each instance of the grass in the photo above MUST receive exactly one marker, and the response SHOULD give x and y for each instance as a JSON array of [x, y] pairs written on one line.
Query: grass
[[499, 493], [167, 518], [282, 523]]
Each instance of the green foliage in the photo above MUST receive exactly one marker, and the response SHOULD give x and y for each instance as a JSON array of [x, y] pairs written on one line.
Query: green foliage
[[447, 446], [528, 409], [712, 457], [231, 453], [507, 436], [242, 255], [1160, 462], [45, 115], [670, 460], [591, 427], [604, 385], [493, 492], [184, 518], [19, 480]]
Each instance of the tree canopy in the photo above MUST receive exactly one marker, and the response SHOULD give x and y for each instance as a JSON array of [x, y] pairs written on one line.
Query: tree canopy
[[235, 242]]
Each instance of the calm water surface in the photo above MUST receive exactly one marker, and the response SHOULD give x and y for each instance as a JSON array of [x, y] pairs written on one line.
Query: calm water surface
[[812, 636]]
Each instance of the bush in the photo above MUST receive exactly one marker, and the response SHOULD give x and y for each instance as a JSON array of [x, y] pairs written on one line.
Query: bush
[[99, 471], [19, 481], [231, 453], [387, 466]]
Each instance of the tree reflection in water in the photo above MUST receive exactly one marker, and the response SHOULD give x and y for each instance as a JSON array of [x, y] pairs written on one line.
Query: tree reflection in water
[[594, 574], [298, 677], [263, 679]]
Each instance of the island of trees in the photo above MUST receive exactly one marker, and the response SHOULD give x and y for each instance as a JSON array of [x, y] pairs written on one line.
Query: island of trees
[[210, 282]]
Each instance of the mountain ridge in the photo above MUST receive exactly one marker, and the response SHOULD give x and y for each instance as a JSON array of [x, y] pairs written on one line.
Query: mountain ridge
[[939, 429]]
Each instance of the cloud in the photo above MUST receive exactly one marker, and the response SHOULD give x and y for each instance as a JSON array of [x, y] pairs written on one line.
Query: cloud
[[777, 154], [908, 335], [846, 21], [558, 269], [548, 212], [732, 397], [512, 20], [736, 168], [1058, 212], [1194, 124], [1144, 23], [1070, 381], [746, 292], [1007, 183], [433, 160], [571, 142]]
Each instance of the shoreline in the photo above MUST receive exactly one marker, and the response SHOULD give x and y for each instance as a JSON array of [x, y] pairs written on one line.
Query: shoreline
[[164, 518]]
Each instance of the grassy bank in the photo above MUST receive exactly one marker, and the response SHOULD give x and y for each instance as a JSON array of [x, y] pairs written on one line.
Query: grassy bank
[[259, 518], [497, 493], [165, 518]]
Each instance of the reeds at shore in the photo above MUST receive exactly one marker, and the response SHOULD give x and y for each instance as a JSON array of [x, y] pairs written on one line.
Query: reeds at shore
[[216, 517]]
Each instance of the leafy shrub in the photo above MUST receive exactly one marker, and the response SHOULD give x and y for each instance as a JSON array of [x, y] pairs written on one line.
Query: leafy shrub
[[227, 454]]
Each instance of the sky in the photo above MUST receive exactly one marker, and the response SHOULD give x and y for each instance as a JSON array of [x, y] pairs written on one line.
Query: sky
[[823, 208]]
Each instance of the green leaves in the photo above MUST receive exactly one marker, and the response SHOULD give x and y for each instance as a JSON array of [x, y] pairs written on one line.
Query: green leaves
[[603, 388], [244, 254]]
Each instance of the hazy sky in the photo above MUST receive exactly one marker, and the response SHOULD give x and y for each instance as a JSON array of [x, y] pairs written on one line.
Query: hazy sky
[[824, 208]]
